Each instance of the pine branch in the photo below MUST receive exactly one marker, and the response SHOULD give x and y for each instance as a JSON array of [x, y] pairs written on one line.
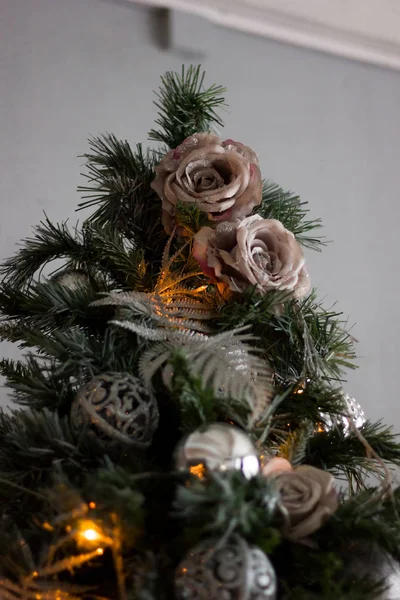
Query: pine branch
[[50, 242], [48, 306], [80, 356], [190, 219], [292, 212], [230, 504], [119, 183], [295, 447], [101, 252], [362, 521], [340, 453], [185, 107], [306, 403], [37, 384], [117, 258], [32, 446], [304, 340], [316, 574]]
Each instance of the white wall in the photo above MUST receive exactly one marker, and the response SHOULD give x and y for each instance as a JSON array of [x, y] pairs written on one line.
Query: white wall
[[325, 127]]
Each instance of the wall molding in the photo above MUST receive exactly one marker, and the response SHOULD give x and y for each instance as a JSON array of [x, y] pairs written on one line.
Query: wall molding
[[365, 30]]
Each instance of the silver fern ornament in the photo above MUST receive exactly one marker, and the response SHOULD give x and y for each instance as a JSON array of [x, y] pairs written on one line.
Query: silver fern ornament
[[116, 409], [352, 413], [218, 447], [225, 570]]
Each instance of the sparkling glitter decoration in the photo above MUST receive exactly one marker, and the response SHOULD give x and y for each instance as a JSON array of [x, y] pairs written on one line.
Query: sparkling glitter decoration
[[219, 447], [231, 570], [353, 411], [117, 409]]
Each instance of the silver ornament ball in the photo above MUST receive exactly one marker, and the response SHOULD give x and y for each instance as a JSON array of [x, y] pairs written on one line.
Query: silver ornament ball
[[72, 280], [116, 409], [229, 570], [353, 411], [219, 447]]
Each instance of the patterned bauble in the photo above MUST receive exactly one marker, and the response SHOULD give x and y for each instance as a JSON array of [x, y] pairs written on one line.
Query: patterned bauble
[[72, 280], [352, 411], [225, 570], [219, 447], [117, 409]]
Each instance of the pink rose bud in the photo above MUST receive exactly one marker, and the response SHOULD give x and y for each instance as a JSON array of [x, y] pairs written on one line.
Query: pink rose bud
[[276, 465]]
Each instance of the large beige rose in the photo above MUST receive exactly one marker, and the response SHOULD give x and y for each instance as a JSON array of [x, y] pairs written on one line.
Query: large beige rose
[[255, 251], [221, 178], [308, 499]]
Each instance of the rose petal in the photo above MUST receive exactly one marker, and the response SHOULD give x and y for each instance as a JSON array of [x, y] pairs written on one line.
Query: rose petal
[[276, 465], [200, 249]]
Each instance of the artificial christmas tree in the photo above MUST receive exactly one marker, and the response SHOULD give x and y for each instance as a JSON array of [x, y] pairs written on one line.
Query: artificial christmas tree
[[183, 420]]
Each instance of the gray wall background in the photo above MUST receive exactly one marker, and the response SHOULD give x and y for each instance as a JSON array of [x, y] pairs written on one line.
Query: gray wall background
[[325, 127]]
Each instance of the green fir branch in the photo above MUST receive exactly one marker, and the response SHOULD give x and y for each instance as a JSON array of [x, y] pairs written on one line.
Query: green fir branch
[[230, 504], [301, 339], [36, 384], [306, 402], [33, 445], [51, 305], [344, 453], [117, 258], [292, 212], [119, 184], [185, 107], [313, 574], [49, 243], [80, 356]]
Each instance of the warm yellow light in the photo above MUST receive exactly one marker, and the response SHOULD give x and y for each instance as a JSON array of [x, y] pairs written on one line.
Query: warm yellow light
[[90, 535], [35, 574], [198, 470], [100, 551], [89, 532], [92, 504]]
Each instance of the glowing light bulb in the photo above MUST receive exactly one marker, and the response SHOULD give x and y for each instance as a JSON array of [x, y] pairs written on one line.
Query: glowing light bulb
[[100, 551], [198, 470], [90, 535], [92, 504], [89, 532]]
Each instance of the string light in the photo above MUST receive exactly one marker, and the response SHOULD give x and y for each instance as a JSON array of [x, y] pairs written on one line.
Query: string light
[[92, 505], [198, 470], [89, 532], [90, 535]]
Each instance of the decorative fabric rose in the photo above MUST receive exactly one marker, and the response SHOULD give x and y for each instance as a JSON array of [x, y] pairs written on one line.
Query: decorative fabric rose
[[255, 251], [276, 465], [308, 499], [221, 178]]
